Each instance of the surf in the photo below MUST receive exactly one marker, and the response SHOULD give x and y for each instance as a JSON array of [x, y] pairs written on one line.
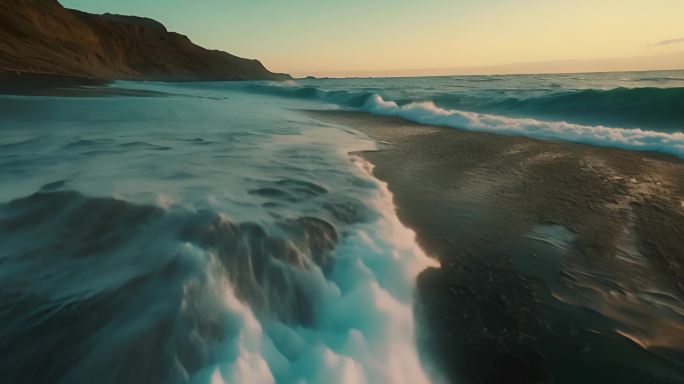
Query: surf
[[632, 139], [168, 252], [660, 107]]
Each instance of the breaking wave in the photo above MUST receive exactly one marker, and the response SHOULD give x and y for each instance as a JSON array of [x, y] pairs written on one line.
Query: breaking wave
[[671, 143], [647, 104], [661, 108], [292, 89], [197, 239], [90, 285]]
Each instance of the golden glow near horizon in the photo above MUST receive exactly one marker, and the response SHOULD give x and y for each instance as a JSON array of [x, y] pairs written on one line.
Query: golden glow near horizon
[[395, 37]]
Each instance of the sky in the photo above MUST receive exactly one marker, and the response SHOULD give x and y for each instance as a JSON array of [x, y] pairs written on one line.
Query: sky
[[426, 37]]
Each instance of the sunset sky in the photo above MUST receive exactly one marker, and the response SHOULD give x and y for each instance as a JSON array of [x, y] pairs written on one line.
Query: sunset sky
[[402, 37]]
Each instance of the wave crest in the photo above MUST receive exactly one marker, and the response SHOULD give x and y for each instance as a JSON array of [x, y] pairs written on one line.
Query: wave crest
[[633, 139], [661, 108]]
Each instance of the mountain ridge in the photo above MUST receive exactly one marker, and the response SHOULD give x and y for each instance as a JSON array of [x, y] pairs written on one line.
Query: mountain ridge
[[41, 37]]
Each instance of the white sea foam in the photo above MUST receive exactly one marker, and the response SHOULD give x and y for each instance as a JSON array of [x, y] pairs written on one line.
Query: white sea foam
[[244, 248], [633, 139], [365, 330]]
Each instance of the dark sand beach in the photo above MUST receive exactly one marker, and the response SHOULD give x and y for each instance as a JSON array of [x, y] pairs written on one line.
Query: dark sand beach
[[560, 262]]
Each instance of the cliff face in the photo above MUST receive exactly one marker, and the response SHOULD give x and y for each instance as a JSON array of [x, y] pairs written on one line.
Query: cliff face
[[42, 37]]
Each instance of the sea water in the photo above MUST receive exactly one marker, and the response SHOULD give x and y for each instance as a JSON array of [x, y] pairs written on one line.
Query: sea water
[[634, 110], [214, 232]]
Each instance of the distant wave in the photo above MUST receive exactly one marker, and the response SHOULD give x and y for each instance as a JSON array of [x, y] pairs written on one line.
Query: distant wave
[[642, 103], [632, 107], [634, 139], [292, 89], [650, 79]]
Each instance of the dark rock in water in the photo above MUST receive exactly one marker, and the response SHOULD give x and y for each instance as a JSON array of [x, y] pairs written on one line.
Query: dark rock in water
[[42, 37]]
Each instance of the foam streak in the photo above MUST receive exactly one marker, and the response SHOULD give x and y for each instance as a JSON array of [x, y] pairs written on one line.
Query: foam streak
[[632, 139]]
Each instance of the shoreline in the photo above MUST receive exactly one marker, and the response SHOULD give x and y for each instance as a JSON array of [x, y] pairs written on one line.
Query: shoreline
[[17, 83], [43, 84], [554, 255]]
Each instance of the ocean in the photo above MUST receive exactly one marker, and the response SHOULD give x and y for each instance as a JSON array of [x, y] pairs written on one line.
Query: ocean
[[214, 232]]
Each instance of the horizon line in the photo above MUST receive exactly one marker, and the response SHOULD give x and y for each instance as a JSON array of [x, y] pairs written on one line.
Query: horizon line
[[320, 77], [658, 62]]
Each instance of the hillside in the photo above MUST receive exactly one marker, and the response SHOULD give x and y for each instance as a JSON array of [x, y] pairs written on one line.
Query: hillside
[[42, 37]]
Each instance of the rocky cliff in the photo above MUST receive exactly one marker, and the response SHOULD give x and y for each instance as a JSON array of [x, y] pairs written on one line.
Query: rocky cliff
[[42, 37]]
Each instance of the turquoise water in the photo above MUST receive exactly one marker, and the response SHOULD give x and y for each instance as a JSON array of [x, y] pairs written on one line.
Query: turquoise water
[[212, 232], [204, 236], [646, 100], [635, 110]]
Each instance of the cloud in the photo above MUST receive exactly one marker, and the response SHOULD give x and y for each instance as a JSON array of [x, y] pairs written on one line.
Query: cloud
[[670, 41]]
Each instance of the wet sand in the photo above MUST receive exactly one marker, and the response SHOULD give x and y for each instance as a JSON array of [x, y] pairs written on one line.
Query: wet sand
[[560, 262]]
